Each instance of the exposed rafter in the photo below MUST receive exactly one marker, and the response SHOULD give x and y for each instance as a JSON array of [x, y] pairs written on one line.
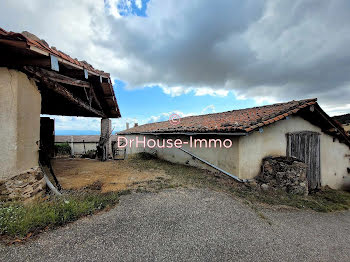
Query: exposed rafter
[[61, 90], [56, 77]]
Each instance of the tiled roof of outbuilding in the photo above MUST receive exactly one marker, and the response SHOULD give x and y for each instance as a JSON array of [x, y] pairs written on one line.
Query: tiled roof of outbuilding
[[243, 120]]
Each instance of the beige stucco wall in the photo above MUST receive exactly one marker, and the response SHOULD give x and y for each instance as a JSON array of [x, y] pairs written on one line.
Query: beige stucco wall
[[225, 158], [20, 105], [273, 142], [243, 159]]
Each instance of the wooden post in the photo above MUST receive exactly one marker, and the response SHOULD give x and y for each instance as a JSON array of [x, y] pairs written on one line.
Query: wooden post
[[72, 146]]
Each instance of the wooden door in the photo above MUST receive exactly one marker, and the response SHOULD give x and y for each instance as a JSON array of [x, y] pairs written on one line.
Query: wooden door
[[305, 146]]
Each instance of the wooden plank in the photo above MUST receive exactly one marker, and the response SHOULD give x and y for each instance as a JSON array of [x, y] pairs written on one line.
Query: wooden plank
[[56, 77], [305, 146], [62, 91]]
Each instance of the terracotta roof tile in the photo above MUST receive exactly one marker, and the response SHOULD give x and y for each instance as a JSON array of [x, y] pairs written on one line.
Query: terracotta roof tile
[[243, 120], [39, 44]]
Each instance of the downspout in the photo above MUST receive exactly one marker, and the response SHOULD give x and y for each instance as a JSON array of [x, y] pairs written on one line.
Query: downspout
[[51, 186], [215, 167], [48, 182]]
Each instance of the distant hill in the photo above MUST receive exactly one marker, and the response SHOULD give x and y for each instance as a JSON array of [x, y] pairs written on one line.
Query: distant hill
[[76, 132], [343, 119]]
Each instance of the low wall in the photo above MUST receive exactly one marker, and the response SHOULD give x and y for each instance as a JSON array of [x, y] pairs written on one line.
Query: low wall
[[25, 186], [224, 158], [79, 147]]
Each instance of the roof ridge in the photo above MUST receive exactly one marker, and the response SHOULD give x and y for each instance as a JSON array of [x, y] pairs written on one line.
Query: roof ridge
[[229, 111]]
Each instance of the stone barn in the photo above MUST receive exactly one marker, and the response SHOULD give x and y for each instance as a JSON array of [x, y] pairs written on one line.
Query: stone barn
[[38, 79], [237, 141]]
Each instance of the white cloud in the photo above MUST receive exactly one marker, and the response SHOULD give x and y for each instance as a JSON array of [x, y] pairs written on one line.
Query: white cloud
[[339, 110], [209, 109], [176, 90], [211, 92], [180, 90], [266, 50], [166, 116], [138, 3]]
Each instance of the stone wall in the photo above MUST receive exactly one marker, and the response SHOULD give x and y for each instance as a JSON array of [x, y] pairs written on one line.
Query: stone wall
[[283, 173], [26, 186]]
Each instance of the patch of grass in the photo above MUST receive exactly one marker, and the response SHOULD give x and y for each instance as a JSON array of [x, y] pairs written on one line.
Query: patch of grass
[[180, 175], [18, 219], [326, 200]]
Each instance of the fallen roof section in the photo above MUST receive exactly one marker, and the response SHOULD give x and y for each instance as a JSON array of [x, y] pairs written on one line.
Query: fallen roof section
[[68, 86], [244, 121]]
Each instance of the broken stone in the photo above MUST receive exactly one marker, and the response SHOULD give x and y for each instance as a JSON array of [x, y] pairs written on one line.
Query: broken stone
[[283, 173], [264, 187]]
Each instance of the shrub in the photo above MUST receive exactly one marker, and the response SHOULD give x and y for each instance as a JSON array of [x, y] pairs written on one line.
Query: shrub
[[62, 149]]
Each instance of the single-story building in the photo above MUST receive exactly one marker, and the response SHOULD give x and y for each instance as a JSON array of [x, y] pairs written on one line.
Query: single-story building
[[38, 79], [80, 144], [236, 141]]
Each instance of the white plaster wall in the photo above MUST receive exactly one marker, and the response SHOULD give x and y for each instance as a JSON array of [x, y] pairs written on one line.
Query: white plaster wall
[[225, 158], [79, 147], [20, 106], [273, 142]]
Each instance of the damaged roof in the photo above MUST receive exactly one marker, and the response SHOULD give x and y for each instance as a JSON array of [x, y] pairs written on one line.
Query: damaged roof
[[33, 56], [31, 41], [243, 121]]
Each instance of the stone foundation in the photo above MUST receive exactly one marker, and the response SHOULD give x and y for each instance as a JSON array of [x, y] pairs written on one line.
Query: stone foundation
[[283, 173], [26, 186]]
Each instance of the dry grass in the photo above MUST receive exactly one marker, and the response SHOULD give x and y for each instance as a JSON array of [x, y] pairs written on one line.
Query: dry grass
[[326, 200], [92, 186], [112, 176], [145, 173]]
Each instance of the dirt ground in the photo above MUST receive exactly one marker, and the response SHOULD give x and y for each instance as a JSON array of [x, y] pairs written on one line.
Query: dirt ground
[[113, 175]]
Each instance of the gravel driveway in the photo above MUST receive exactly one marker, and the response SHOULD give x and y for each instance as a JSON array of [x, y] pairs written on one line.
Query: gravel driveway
[[192, 225]]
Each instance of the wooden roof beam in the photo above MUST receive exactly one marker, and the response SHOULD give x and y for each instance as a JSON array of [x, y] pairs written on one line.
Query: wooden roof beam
[[64, 92], [56, 77]]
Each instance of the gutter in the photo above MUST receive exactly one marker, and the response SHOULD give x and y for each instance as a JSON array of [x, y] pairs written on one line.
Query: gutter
[[48, 182], [215, 167], [188, 134]]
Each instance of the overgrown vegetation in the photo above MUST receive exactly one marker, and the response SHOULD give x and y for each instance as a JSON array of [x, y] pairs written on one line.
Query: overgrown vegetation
[[18, 219], [326, 200], [62, 149]]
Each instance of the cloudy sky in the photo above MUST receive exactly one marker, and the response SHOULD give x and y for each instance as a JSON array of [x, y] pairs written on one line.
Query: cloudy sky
[[198, 56]]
